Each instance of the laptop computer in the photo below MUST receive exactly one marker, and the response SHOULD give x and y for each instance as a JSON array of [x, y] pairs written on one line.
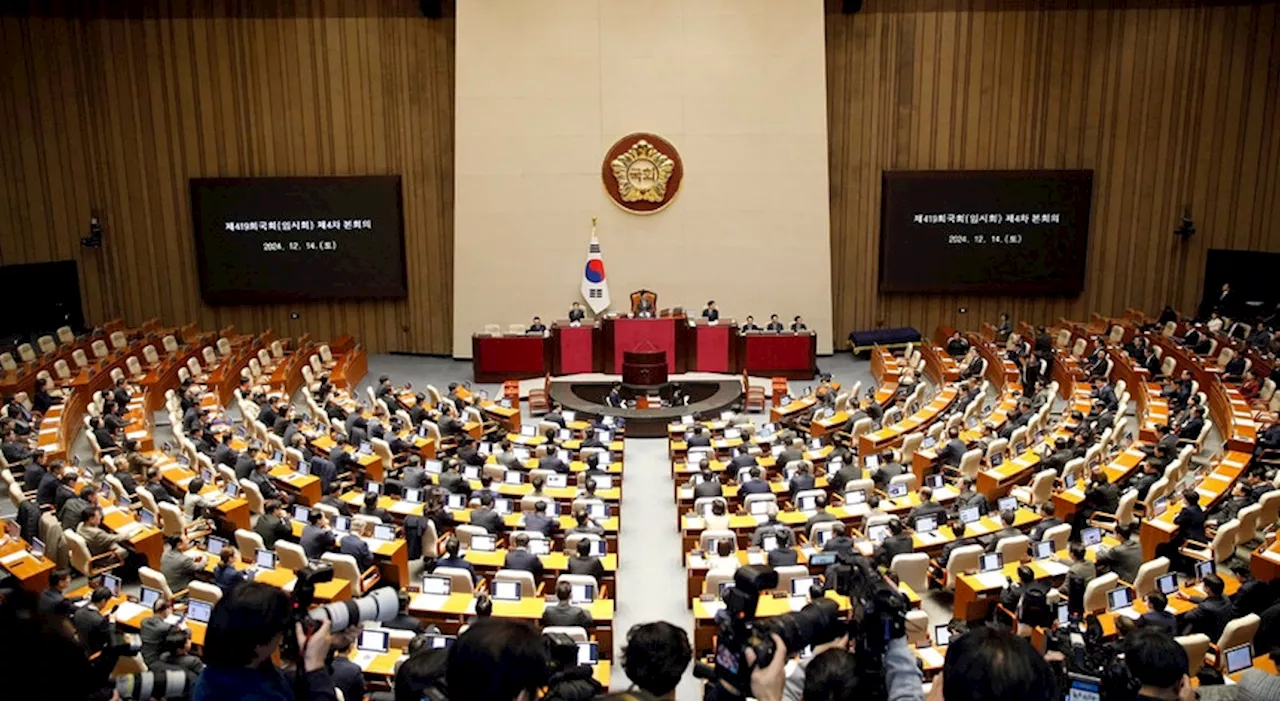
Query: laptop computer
[[265, 560], [1044, 550], [1064, 613], [483, 543], [1167, 584], [1091, 536], [539, 546], [588, 653], [897, 490], [761, 506], [1119, 598], [232, 489], [970, 514], [214, 545], [1239, 658], [800, 586], [598, 510], [822, 559], [375, 641], [148, 596], [371, 487], [1007, 504], [341, 524], [440, 642], [1203, 569], [112, 583], [1161, 506], [991, 562], [933, 481], [456, 501], [857, 496], [506, 591], [383, 531], [941, 635], [147, 517], [809, 503], [301, 513], [582, 593], [927, 524], [37, 548], [413, 496], [199, 611], [436, 585], [878, 533]]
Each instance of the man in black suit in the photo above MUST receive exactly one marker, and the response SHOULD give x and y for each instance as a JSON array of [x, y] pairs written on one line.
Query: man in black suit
[[106, 439], [839, 542], [1103, 391], [521, 559], [266, 487], [710, 313], [954, 450], [273, 524], [585, 563], [154, 485], [797, 324], [614, 398], [1007, 518], [576, 314], [52, 600], [1047, 521], [371, 508], [927, 508], [847, 473], [245, 461], [317, 539], [774, 324], [1151, 471], [35, 471], [783, 535], [551, 461], [1166, 439], [94, 629], [452, 480], [404, 621], [708, 485], [1190, 429], [224, 454], [898, 543], [1190, 521], [1213, 613], [802, 480], [1156, 615], [353, 545], [1061, 455], [486, 518], [451, 559], [741, 458], [1099, 495], [887, 471], [536, 325], [821, 516], [794, 452], [267, 414], [699, 438], [418, 413], [563, 613], [749, 325], [969, 496], [754, 485], [540, 522]]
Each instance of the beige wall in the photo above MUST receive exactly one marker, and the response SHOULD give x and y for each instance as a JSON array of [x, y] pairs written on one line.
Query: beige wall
[[544, 88]]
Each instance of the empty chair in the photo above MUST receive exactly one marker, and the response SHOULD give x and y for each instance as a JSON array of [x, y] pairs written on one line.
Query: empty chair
[[1248, 530], [1039, 491], [7, 363], [224, 346], [1196, 646], [528, 587], [79, 358], [249, 543], [291, 555], [345, 567], [917, 626], [210, 358], [155, 580], [963, 560], [1014, 548], [26, 352], [1095, 592], [61, 369], [65, 335], [1237, 633], [913, 570], [1145, 581], [118, 341], [100, 350], [150, 355], [170, 344], [134, 367], [971, 463], [459, 579], [204, 592], [1058, 535]]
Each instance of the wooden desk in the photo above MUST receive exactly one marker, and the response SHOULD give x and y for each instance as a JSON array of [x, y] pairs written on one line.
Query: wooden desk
[[148, 541], [1212, 489], [30, 571], [874, 442], [452, 611], [1264, 562], [306, 487], [232, 511]]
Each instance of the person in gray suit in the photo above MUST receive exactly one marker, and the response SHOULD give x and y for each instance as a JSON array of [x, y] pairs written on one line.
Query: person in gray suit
[[98, 540], [506, 457], [486, 518], [562, 613], [522, 559], [179, 569], [1125, 558], [162, 641]]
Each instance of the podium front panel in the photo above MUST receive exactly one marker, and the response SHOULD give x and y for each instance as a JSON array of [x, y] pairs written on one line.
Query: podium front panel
[[575, 346], [790, 355], [645, 334], [712, 344], [500, 358]]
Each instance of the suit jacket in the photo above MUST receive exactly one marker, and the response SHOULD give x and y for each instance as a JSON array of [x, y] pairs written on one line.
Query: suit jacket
[[1159, 619], [1037, 533], [783, 557], [892, 547], [789, 455], [489, 520], [553, 463], [785, 536], [357, 548], [754, 487], [546, 525], [587, 565], [272, 529], [564, 614], [1210, 617], [343, 507], [105, 439], [952, 452], [707, 489], [316, 541], [52, 601], [699, 440], [98, 540], [244, 465], [154, 632], [178, 569], [93, 628], [800, 483], [71, 512], [843, 476], [1124, 559], [930, 508], [227, 577], [576, 315], [742, 460], [454, 482], [459, 563], [32, 476], [265, 485], [524, 560], [1190, 523], [1191, 429]]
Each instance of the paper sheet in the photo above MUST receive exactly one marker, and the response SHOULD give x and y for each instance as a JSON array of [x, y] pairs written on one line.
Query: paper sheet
[[13, 558], [129, 610], [991, 580], [433, 602]]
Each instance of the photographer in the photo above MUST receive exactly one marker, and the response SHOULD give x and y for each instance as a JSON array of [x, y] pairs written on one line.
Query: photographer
[[831, 674], [164, 643], [1159, 664], [569, 680], [989, 663], [492, 644], [247, 627], [655, 657]]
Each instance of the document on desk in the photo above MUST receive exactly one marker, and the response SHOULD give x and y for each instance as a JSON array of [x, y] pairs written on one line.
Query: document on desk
[[13, 558], [991, 580], [433, 602], [1053, 568], [364, 658], [128, 610], [713, 607], [136, 435], [755, 558], [1127, 613]]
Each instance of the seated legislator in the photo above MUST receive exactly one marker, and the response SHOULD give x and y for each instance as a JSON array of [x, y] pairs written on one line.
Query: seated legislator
[[798, 325], [749, 325], [583, 562], [710, 313], [536, 326], [563, 613], [774, 324], [576, 314]]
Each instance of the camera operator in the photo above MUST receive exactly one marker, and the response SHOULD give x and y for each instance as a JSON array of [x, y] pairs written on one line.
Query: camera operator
[[497, 660], [246, 628], [831, 675], [655, 657], [421, 677], [990, 663], [569, 680], [1159, 664], [164, 643]]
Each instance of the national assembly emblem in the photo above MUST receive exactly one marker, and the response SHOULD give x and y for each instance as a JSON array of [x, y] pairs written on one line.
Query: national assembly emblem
[[642, 173]]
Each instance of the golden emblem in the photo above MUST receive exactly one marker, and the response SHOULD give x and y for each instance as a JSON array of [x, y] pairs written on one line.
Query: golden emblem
[[642, 172]]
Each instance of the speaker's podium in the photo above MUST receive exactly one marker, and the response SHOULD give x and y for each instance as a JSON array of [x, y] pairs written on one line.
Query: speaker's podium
[[644, 368]]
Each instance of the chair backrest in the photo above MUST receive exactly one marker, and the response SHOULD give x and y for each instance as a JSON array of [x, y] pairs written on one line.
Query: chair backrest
[[1063, 338], [99, 349], [971, 463], [996, 452], [1239, 631], [527, 585], [464, 531], [460, 579], [224, 346], [711, 585], [912, 569], [61, 369], [1224, 542], [147, 498], [26, 352], [150, 355], [155, 580], [1196, 646], [1248, 528], [290, 555], [78, 550], [1014, 548], [345, 567], [135, 368], [917, 626], [210, 358], [701, 504], [909, 479], [1018, 440], [910, 444], [170, 519], [964, 559], [1124, 513], [1042, 486], [1095, 592], [249, 543], [712, 535], [252, 494], [754, 498], [79, 358], [65, 335], [571, 540], [204, 592], [1145, 581], [277, 349], [1078, 348]]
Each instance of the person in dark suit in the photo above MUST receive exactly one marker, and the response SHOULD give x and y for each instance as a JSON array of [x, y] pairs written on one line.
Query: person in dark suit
[[521, 559], [898, 543], [927, 508], [404, 621], [710, 313], [316, 539], [551, 461], [1099, 496], [1213, 612], [1047, 521], [1166, 438], [562, 613], [1007, 518], [273, 524], [614, 398], [1156, 615], [957, 345], [536, 326], [1190, 521], [485, 517], [451, 478], [35, 471], [783, 557], [371, 508], [709, 485], [1057, 461], [161, 641], [451, 559], [699, 438], [266, 487], [1190, 429], [44, 399], [245, 461], [802, 480], [225, 575], [749, 325], [754, 484], [576, 314], [224, 454], [158, 492], [353, 545], [821, 516], [1123, 559], [774, 324], [1104, 392], [839, 542], [331, 498], [94, 629], [540, 522], [53, 600], [797, 324], [954, 450], [585, 563]]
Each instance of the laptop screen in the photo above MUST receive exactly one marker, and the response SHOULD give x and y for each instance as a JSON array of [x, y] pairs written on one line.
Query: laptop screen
[[857, 496], [149, 596], [933, 481], [372, 487], [147, 517], [300, 513], [384, 531], [1044, 549], [1167, 583], [112, 583], [822, 559], [199, 610], [413, 496], [440, 642], [970, 514], [809, 503], [342, 524], [588, 653], [1064, 613], [506, 591], [1161, 505], [769, 542], [582, 593], [374, 640], [898, 489], [1204, 569], [1119, 598], [878, 533], [456, 501], [482, 543], [37, 548], [941, 635], [760, 507], [214, 545], [1008, 504], [436, 585], [539, 546], [1091, 536], [557, 481], [927, 524], [233, 489], [872, 462], [991, 562], [1239, 658], [800, 586], [265, 560]]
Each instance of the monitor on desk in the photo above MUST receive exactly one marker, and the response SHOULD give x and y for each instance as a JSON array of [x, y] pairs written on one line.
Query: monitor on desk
[[933, 481], [816, 444], [512, 477], [582, 593], [878, 533], [301, 513], [527, 431], [1007, 504], [1091, 536], [471, 472], [598, 510], [760, 507], [413, 496], [372, 487], [969, 514], [265, 560], [1167, 584], [1239, 658], [36, 548], [941, 635], [383, 531], [304, 468], [1161, 506], [214, 545], [822, 559], [857, 496], [422, 431], [148, 596], [1119, 598], [437, 585], [433, 467], [522, 454], [564, 434], [800, 586], [1069, 481], [506, 591], [821, 537], [147, 517], [598, 547], [604, 436], [455, 501], [558, 481], [806, 503], [991, 562], [732, 433], [927, 524], [483, 543], [277, 457], [207, 475], [112, 583], [374, 640], [485, 448], [502, 505], [440, 642], [199, 611], [569, 416], [928, 442], [232, 489], [1044, 550], [775, 450], [1204, 569], [588, 653], [686, 420], [768, 543], [872, 462], [365, 449], [342, 524], [897, 490], [539, 546]]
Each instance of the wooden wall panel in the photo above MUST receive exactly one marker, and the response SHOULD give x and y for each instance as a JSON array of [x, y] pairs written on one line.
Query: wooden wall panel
[[1170, 103], [115, 108]]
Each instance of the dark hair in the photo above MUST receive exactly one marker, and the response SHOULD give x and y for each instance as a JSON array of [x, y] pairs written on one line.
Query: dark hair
[[484, 606], [1213, 584], [656, 656], [420, 674], [584, 547], [832, 676], [1157, 601], [195, 485], [57, 576], [486, 499], [451, 546], [99, 595], [1078, 551], [370, 501], [490, 644], [564, 590], [248, 616], [1026, 574], [989, 663], [1154, 658], [314, 516]]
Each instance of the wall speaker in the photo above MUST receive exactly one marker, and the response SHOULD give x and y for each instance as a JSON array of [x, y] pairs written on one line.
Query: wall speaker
[[851, 6], [432, 9]]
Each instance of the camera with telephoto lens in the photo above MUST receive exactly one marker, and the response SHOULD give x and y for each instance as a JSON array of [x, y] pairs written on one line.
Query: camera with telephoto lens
[[1088, 657], [171, 684], [562, 651], [381, 605]]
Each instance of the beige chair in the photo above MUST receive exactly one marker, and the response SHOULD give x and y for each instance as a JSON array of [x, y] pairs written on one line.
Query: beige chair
[[155, 580], [47, 344], [917, 626], [1145, 581], [65, 335], [577, 633], [1237, 633], [702, 505], [100, 350], [1197, 646], [201, 591], [400, 639], [1058, 535], [465, 531], [79, 358], [1222, 547], [1039, 491], [528, 587], [224, 346], [290, 556], [1123, 515], [345, 567], [1062, 339], [171, 520], [913, 570], [249, 492], [709, 537], [1270, 503], [277, 349], [85, 563], [249, 543], [963, 560], [1095, 592], [1014, 548], [971, 463], [910, 444], [26, 353], [460, 579], [909, 479], [711, 585], [571, 540], [1248, 517], [997, 451], [770, 498]]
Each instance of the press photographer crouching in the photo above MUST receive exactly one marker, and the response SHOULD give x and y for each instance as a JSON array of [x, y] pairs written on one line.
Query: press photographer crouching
[[751, 654]]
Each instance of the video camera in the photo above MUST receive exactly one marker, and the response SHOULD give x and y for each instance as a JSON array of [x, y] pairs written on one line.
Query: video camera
[[877, 615], [382, 604], [1093, 669]]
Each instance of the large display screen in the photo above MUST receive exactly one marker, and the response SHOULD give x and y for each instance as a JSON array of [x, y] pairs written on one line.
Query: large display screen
[[297, 239], [985, 232]]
